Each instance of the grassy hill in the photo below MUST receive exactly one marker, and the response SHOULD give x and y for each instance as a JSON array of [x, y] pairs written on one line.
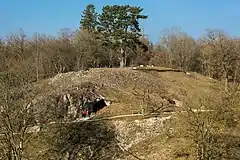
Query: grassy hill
[[127, 89], [130, 91]]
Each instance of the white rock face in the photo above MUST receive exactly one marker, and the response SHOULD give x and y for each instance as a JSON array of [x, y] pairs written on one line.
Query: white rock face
[[33, 129], [178, 103], [107, 103], [132, 132]]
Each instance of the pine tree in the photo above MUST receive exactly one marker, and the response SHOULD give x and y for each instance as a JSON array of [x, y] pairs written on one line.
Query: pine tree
[[120, 27], [89, 19]]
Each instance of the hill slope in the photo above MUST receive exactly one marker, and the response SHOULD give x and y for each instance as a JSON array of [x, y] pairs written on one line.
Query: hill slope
[[130, 91]]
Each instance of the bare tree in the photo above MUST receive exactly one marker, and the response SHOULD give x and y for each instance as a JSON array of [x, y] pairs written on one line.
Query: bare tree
[[90, 51], [207, 130], [87, 140], [16, 118], [221, 52], [179, 46]]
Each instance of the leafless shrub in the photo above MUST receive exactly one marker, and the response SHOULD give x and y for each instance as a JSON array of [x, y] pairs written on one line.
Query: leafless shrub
[[211, 131]]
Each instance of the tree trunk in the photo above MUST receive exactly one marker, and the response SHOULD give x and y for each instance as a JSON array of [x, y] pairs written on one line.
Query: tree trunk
[[37, 73], [226, 84], [78, 63], [226, 81], [37, 60], [125, 60], [235, 76], [37, 65], [122, 58], [122, 62], [110, 59]]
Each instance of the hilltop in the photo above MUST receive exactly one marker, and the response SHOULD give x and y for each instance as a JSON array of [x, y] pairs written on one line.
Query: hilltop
[[129, 89]]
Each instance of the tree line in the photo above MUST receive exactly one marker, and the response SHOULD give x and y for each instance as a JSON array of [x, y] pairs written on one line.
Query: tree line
[[215, 54], [112, 39], [107, 40]]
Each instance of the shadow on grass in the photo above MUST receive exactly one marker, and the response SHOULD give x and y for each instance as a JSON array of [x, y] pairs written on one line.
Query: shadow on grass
[[88, 140]]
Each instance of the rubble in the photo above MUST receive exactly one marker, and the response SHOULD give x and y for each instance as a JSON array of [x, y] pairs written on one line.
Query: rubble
[[130, 133]]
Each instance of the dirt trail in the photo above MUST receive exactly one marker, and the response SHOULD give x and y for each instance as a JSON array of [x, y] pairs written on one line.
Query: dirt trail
[[165, 116]]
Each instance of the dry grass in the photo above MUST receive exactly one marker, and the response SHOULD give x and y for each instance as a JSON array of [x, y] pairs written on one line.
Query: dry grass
[[117, 85], [161, 147]]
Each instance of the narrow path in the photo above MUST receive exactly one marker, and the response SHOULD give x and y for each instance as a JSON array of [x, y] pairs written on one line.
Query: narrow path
[[165, 116], [158, 70]]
